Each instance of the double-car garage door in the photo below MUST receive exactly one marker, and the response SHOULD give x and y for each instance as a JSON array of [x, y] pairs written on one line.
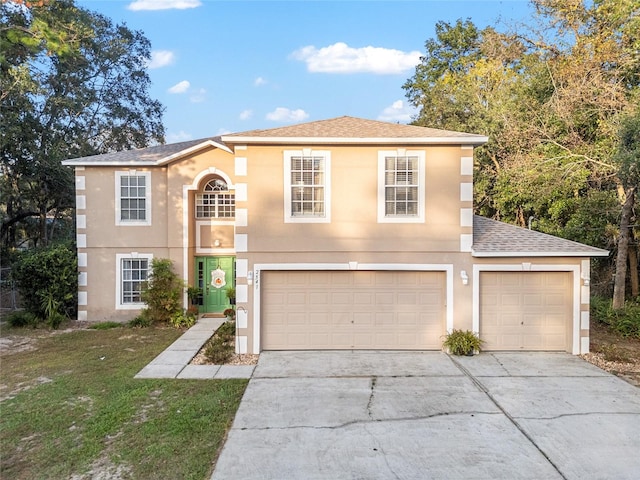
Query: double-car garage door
[[321, 310], [352, 310]]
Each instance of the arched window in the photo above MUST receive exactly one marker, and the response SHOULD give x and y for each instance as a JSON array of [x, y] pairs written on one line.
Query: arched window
[[215, 201]]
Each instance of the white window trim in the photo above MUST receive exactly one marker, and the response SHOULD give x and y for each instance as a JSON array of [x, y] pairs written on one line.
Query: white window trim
[[420, 217], [119, 258], [288, 218], [133, 223]]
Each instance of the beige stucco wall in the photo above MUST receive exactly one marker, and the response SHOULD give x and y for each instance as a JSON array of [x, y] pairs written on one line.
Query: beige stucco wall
[[354, 204], [353, 235]]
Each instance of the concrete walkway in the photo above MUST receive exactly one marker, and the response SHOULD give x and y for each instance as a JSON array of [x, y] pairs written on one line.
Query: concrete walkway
[[174, 361], [425, 415]]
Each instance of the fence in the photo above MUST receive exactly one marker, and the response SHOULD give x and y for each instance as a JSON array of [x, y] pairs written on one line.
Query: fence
[[9, 297]]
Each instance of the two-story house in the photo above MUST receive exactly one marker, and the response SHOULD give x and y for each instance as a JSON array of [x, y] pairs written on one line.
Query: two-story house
[[337, 234]]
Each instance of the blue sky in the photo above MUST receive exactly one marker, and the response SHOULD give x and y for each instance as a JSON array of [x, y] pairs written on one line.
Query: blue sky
[[230, 66]]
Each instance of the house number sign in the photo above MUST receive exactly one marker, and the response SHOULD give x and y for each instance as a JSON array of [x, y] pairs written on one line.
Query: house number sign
[[218, 278]]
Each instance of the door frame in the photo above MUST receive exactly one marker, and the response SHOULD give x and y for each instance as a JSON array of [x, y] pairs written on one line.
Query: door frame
[[201, 282], [426, 267], [531, 267]]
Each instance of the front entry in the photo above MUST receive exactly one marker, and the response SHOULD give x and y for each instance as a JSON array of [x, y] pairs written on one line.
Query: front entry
[[214, 275]]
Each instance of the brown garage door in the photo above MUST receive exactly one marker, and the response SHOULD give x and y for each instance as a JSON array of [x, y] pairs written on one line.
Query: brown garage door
[[526, 310], [352, 310]]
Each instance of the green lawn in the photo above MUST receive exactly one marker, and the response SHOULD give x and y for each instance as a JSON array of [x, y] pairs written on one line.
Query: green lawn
[[71, 408]]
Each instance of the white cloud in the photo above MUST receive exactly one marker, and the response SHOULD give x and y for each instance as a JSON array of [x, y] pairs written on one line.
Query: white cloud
[[198, 96], [181, 136], [161, 58], [180, 87], [138, 5], [341, 58], [398, 111], [259, 82], [246, 114], [282, 114]]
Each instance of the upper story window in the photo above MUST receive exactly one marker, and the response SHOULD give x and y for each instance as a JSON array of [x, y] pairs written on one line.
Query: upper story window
[[133, 198], [307, 176], [216, 201], [401, 186]]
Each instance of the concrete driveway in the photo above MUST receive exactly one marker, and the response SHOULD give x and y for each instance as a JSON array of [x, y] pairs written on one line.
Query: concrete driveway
[[422, 415]]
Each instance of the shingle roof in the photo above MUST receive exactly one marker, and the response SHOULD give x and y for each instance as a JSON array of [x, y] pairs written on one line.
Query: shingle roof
[[144, 156], [497, 239], [335, 130], [354, 129]]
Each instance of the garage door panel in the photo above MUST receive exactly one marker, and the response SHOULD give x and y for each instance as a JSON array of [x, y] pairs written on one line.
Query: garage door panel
[[525, 310], [354, 310], [409, 319], [410, 299]]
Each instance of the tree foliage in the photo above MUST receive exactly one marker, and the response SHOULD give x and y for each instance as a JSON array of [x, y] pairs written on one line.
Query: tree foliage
[[163, 293], [551, 98], [47, 280], [71, 84]]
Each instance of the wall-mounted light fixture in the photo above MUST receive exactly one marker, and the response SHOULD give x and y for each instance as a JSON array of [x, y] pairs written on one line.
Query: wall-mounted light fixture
[[585, 279], [216, 243], [250, 277], [464, 277]]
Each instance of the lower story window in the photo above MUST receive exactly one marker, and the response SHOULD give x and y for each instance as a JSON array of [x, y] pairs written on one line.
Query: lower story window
[[133, 272]]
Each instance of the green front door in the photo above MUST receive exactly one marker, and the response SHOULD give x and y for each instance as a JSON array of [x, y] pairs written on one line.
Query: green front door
[[213, 276]]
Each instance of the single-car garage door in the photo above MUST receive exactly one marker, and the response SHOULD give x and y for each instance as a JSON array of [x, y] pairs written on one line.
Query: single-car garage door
[[526, 310], [319, 310]]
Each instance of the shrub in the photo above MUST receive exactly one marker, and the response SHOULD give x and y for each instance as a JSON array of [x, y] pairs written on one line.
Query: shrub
[[182, 318], [227, 330], [141, 321], [461, 342], [613, 353], [163, 292], [21, 319], [48, 281], [625, 321], [106, 325], [221, 347], [217, 351]]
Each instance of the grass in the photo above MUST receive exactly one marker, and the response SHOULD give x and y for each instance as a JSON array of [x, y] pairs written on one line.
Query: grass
[[71, 407]]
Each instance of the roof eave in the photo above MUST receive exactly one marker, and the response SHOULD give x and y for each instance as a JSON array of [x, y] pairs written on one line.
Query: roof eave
[[485, 254], [462, 140], [190, 150], [87, 161]]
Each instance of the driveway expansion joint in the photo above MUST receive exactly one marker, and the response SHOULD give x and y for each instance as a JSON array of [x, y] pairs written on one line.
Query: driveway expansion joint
[[370, 402], [510, 417], [368, 422]]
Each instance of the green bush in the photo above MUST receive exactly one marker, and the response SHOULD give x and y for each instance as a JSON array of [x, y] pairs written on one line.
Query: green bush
[[141, 321], [227, 329], [183, 318], [163, 292], [461, 342], [106, 325], [221, 347], [21, 319], [625, 321], [47, 280]]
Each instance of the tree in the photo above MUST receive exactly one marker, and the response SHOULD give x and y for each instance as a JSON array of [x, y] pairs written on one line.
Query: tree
[[628, 160], [551, 99], [72, 84]]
